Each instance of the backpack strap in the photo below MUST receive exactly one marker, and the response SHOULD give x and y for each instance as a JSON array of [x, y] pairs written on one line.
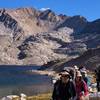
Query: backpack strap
[[72, 89]]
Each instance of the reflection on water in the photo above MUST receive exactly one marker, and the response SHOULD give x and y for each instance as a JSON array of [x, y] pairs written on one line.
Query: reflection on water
[[16, 80]]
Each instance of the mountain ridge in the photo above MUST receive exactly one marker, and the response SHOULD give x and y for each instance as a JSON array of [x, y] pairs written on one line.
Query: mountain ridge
[[29, 32]]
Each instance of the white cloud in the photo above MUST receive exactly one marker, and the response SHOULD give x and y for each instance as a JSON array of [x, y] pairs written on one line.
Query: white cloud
[[43, 9]]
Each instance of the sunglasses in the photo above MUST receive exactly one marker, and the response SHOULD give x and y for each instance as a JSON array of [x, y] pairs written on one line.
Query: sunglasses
[[78, 77]]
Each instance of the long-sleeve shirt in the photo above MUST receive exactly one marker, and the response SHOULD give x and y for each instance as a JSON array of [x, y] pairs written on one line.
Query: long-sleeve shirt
[[81, 88], [63, 91]]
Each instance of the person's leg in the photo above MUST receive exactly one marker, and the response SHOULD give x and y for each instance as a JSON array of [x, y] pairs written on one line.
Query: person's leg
[[98, 86]]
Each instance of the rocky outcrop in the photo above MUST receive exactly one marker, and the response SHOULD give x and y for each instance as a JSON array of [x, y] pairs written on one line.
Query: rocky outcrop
[[8, 52], [90, 59], [49, 15], [40, 49], [90, 34], [72, 48], [10, 24], [77, 23]]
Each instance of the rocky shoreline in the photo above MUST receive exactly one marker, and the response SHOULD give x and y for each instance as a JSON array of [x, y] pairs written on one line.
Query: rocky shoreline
[[42, 72]]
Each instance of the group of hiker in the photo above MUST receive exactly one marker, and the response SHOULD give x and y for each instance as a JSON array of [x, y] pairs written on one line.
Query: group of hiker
[[72, 85]]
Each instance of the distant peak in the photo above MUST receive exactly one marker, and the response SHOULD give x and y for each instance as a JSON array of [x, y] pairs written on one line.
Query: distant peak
[[96, 21], [63, 16], [27, 9], [48, 15], [79, 17]]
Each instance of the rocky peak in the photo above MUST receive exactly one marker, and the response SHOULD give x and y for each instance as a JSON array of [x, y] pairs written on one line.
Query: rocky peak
[[63, 17], [29, 20], [78, 17], [24, 12], [49, 15]]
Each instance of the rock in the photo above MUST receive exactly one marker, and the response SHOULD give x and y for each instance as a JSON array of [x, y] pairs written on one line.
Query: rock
[[10, 24], [11, 97], [23, 96]]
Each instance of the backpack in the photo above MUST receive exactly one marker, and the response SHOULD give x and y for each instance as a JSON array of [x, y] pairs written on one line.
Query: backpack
[[72, 89]]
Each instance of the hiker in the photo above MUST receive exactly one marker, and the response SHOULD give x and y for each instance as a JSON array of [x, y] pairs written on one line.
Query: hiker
[[76, 69], [82, 68], [71, 72], [85, 77], [81, 88], [97, 71], [64, 89]]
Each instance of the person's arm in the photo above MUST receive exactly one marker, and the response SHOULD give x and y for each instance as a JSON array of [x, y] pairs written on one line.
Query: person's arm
[[55, 90], [54, 93], [84, 91], [73, 89]]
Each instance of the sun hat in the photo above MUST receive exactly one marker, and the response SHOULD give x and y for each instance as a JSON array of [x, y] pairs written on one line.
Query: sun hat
[[75, 67], [64, 73], [83, 71]]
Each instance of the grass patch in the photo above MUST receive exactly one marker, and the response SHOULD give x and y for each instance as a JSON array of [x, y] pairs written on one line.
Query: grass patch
[[41, 97]]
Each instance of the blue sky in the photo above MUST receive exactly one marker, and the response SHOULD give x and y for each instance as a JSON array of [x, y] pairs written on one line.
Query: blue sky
[[87, 8]]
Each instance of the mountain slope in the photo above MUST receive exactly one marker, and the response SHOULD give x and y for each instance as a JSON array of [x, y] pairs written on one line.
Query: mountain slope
[[40, 49], [31, 36], [90, 59]]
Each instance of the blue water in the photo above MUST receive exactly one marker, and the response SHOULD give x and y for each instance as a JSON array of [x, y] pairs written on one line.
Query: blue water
[[17, 79]]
